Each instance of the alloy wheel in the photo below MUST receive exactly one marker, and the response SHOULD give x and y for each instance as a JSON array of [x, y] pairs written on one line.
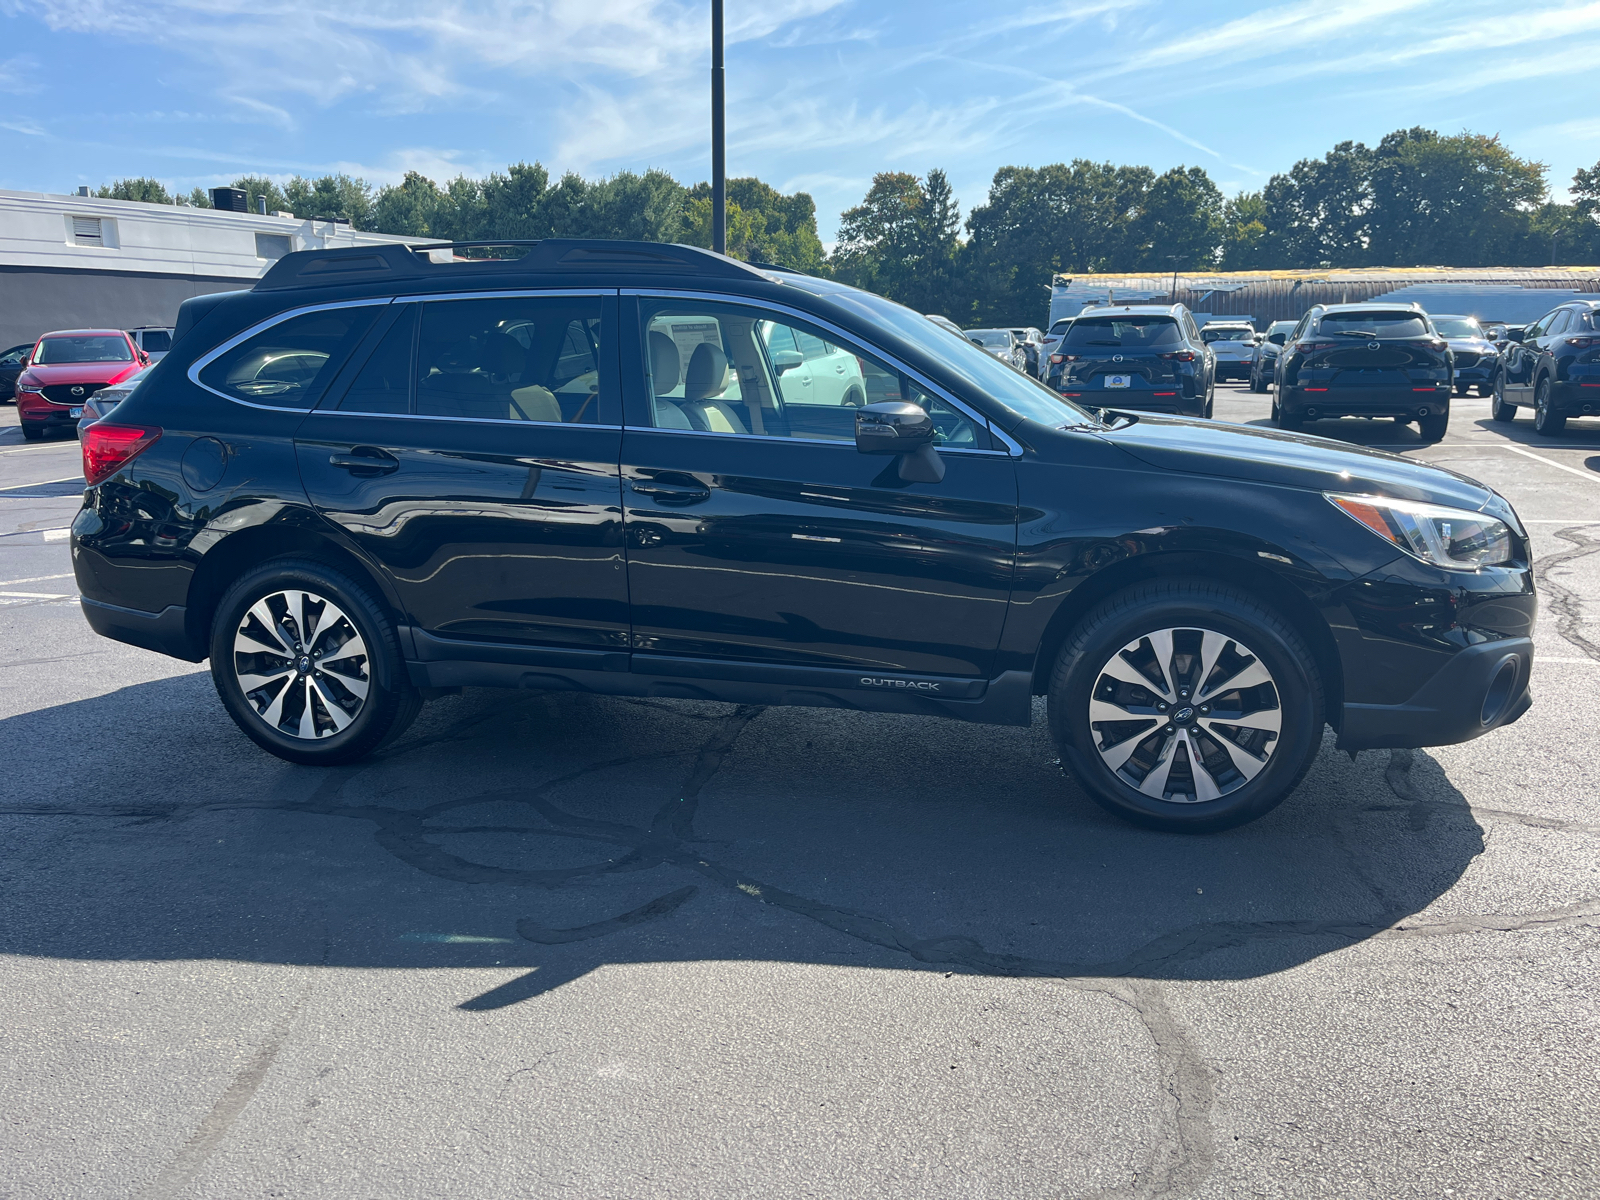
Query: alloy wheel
[[301, 664], [1185, 715]]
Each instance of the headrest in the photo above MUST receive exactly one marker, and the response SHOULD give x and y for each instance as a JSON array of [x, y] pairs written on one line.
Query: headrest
[[503, 354], [707, 376], [666, 363]]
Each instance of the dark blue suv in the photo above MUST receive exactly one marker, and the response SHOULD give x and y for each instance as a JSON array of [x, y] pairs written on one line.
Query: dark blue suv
[[1146, 357], [645, 470], [1553, 366]]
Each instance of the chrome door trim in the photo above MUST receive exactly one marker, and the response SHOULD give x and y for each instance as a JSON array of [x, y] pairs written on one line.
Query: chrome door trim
[[211, 356], [1012, 450]]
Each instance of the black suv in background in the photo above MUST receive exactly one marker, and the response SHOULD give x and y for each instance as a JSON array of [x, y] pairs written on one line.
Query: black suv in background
[[1147, 357], [612, 467], [1365, 360], [1554, 366]]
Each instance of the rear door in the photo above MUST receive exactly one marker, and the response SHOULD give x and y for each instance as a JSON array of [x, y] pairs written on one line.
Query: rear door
[[1520, 357], [471, 450], [759, 535]]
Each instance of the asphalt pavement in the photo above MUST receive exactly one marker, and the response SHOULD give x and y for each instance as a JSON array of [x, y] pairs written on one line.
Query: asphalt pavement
[[550, 944]]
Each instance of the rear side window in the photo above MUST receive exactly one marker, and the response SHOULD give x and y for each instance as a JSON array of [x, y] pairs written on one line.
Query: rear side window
[[288, 364], [1374, 324], [1123, 332], [155, 340], [512, 359]]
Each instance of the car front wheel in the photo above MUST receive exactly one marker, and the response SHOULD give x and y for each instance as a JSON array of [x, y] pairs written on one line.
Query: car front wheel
[[308, 665], [1187, 706]]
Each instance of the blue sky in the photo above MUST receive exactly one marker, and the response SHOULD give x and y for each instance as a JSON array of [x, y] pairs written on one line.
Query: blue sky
[[821, 93]]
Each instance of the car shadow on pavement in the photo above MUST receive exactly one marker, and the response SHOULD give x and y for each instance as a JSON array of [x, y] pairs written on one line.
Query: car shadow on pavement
[[548, 835]]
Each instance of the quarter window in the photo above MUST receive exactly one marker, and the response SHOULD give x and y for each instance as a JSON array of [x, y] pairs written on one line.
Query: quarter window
[[384, 383], [516, 359], [288, 364], [732, 370]]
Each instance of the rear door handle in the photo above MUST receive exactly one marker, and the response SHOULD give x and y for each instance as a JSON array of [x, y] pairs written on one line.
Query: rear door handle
[[367, 460], [670, 492]]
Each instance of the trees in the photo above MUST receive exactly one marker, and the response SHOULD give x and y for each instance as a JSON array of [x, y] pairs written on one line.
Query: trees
[[1316, 214], [901, 241], [150, 191], [1179, 222], [763, 224]]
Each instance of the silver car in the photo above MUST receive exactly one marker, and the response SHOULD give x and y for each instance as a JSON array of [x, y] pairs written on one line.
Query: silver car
[[1003, 344], [98, 406], [1265, 363]]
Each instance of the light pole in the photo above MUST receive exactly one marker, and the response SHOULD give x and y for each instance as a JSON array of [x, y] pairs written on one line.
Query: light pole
[[719, 137]]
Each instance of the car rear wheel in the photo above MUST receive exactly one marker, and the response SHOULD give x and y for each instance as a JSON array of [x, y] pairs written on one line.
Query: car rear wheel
[[1434, 428], [1291, 421], [1546, 420], [308, 665], [1186, 705], [1499, 409]]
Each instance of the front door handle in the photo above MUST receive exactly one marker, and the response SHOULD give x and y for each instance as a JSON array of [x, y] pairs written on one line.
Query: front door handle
[[365, 460], [678, 490]]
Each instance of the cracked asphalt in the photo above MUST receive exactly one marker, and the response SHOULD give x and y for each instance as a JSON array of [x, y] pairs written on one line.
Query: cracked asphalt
[[557, 944]]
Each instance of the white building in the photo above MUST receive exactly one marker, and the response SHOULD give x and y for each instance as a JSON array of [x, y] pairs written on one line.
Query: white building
[[75, 262]]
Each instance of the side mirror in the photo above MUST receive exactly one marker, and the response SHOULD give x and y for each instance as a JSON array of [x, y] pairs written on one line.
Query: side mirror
[[1492, 335], [25, 360], [896, 427], [1515, 333], [786, 360], [144, 359]]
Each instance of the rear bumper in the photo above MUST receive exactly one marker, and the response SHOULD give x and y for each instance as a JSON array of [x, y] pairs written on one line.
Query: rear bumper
[[1579, 393], [165, 632], [1365, 402], [1481, 688]]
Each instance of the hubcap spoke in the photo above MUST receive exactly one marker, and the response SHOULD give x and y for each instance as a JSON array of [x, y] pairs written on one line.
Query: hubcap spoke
[[336, 714], [1161, 643], [1155, 783], [1268, 719], [267, 622], [1250, 676]]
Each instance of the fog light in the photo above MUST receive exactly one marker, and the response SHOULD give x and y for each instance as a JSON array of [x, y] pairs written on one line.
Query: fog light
[[1500, 688]]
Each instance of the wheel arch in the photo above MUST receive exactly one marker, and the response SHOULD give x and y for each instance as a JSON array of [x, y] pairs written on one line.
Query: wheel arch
[[1292, 604], [249, 548]]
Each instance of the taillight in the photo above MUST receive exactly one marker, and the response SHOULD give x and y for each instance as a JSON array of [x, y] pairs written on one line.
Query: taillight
[[1583, 343], [1313, 347], [1180, 356], [108, 448]]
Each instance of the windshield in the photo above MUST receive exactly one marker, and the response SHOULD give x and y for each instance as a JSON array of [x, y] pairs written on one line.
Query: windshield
[[83, 348], [1457, 327], [994, 339], [1132, 332], [985, 375], [1231, 334], [1373, 324]]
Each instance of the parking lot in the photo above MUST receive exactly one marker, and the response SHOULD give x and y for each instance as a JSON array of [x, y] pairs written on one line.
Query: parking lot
[[551, 943]]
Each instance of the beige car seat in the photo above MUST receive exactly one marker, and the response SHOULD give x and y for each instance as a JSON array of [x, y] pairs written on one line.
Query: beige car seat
[[705, 381]]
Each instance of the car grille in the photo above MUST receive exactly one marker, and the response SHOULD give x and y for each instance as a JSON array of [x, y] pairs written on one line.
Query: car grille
[[62, 393], [1466, 358]]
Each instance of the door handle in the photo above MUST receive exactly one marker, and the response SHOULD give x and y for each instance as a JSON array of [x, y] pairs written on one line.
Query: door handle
[[671, 493], [366, 460]]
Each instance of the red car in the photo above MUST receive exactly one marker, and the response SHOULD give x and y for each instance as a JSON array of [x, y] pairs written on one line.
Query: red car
[[65, 369]]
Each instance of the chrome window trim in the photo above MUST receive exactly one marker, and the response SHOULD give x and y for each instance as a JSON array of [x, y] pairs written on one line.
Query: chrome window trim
[[344, 412], [768, 440], [211, 356], [1012, 450]]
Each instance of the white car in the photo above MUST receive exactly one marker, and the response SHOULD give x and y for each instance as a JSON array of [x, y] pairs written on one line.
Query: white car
[[812, 371], [154, 340], [1234, 345], [1031, 339], [1048, 343], [1003, 344]]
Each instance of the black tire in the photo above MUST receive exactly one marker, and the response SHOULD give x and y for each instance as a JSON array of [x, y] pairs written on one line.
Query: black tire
[[1291, 421], [1499, 409], [854, 399], [1546, 421], [1187, 605], [390, 702], [1435, 427], [32, 433]]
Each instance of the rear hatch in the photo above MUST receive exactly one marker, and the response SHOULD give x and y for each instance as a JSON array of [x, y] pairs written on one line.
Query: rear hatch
[[1231, 344], [1118, 359], [1373, 350]]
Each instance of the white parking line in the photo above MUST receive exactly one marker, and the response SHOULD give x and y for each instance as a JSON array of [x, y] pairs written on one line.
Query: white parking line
[[1588, 662], [34, 579], [37, 596], [12, 487], [1589, 475]]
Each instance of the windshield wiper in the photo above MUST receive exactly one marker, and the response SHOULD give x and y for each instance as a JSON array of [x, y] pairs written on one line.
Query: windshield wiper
[[1104, 343], [1356, 333]]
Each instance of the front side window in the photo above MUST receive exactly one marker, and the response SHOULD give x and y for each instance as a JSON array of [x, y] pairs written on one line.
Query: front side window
[[523, 358], [727, 369], [1130, 332], [82, 348], [288, 364], [1374, 324]]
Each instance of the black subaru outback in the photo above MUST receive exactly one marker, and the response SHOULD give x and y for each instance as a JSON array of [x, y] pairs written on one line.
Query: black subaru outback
[[649, 470]]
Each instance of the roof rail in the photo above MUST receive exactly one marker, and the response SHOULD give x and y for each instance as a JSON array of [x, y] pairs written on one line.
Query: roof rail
[[396, 260]]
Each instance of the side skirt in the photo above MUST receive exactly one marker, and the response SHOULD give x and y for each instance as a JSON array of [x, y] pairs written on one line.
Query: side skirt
[[450, 663]]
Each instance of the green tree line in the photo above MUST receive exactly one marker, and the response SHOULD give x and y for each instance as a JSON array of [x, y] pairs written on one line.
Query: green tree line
[[1418, 198]]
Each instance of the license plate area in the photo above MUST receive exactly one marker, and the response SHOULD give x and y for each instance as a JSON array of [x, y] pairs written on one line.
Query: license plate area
[[76, 411], [1118, 381]]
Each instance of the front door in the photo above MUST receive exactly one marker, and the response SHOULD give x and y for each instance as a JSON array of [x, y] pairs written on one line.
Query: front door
[[1520, 359], [757, 532], [473, 454]]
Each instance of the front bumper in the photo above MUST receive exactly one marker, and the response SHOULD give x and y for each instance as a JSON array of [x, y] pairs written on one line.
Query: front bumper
[[1336, 401], [1233, 370], [1479, 689], [39, 412]]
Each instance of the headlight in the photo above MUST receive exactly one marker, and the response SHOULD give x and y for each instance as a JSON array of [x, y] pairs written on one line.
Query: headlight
[[1443, 537]]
